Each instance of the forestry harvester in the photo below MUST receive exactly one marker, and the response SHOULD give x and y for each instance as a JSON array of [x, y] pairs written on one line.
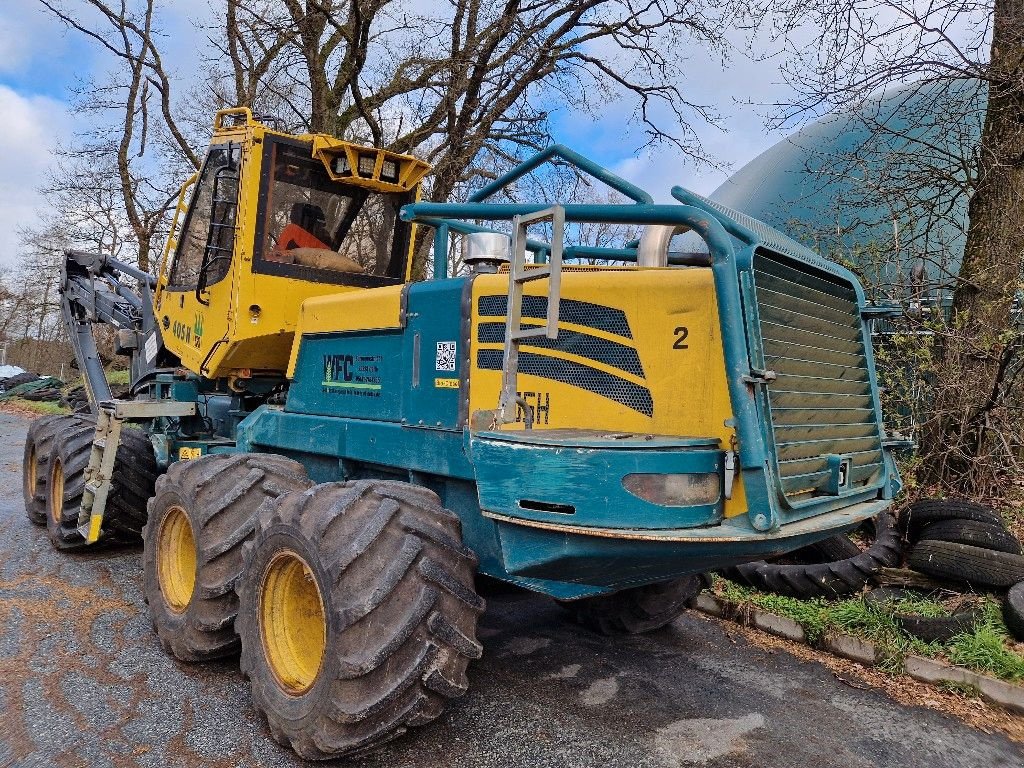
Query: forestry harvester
[[319, 454]]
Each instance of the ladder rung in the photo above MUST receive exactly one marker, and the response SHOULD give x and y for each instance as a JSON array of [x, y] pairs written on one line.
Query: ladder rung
[[529, 333], [534, 274]]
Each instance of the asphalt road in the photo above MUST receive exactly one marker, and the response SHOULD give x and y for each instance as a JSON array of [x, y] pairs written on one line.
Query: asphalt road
[[83, 682]]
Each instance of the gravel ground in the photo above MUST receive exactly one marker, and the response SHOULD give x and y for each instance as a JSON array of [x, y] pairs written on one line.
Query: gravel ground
[[83, 682]]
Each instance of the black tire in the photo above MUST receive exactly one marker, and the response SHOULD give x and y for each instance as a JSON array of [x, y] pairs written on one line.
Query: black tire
[[984, 535], [931, 629], [396, 595], [135, 472], [926, 511], [69, 456], [963, 563], [133, 485], [219, 495], [18, 379], [638, 609], [826, 551], [842, 577], [1013, 611], [35, 465]]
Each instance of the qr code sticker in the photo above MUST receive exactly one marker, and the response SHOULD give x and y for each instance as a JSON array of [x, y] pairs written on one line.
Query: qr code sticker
[[446, 355]]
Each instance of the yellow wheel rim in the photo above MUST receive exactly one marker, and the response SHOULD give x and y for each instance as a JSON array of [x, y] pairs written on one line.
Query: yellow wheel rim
[[56, 490], [31, 472], [176, 559], [292, 622]]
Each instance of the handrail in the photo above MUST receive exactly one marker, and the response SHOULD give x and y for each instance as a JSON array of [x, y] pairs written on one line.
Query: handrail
[[572, 157]]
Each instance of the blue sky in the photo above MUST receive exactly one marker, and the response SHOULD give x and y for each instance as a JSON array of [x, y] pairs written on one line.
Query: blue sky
[[40, 62]]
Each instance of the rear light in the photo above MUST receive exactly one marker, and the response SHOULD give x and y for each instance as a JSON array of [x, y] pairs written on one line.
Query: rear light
[[676, 490]]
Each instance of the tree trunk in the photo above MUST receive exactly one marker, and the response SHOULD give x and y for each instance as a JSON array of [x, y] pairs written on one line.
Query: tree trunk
[[981, 345]]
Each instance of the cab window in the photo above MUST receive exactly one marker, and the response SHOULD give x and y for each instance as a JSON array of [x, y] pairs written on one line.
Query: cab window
[[210, 225], [320, 230]]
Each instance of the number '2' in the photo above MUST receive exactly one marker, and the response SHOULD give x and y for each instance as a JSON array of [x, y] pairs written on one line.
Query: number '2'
[[681, 333]]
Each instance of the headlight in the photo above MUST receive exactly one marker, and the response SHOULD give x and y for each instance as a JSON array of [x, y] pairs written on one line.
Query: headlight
[[677, 490], [367, 164], [389, 171]]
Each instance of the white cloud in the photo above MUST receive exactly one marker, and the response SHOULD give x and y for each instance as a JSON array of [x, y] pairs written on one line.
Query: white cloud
[[27, 33], [32, 127]]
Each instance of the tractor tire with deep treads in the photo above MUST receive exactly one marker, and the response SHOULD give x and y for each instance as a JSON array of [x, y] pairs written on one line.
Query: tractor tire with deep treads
[[358, 614], [639, 609], [35, 467], [963, 563], [202, 513], [826, 551], [131, 486], [926, 511], [842, 577], [69, 456], [984, 535]]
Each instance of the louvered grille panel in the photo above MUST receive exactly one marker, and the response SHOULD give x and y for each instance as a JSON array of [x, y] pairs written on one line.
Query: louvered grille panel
[[821, 400]]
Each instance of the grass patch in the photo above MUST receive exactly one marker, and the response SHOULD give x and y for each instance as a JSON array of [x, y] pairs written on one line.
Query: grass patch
[[36, 406], [988, 649], [119, 377]]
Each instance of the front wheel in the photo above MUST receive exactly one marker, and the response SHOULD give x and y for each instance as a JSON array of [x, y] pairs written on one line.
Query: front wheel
[[358, 614], [203, 512]]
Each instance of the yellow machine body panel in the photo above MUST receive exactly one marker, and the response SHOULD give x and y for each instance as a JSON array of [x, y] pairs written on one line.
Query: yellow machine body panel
[[638, 351], [376, 309], [275, 220]]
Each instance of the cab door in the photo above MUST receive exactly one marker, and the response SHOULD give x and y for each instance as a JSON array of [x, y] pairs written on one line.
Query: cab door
[[194, 305]]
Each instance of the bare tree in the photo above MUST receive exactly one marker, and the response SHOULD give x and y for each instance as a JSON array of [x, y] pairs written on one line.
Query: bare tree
[[467, 76], [972, 432], [137, 150]]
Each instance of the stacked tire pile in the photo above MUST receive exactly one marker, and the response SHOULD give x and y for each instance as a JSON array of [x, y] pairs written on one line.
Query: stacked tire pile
[[960, 547], [8, 383], [967, 544], [28, 386]]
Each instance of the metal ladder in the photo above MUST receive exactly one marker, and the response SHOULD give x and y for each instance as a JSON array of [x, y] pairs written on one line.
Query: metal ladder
[[515, 333]]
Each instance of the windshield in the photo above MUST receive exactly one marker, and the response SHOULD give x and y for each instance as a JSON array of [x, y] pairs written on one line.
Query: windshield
[[327, 230]]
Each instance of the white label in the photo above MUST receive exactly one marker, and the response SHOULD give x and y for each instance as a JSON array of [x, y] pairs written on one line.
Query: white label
[[151, 348], [446, 355]]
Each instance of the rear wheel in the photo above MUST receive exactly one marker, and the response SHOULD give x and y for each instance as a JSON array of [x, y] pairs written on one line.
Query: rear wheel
[[36, 464], [637, 610], [358, 615], [201, 515]]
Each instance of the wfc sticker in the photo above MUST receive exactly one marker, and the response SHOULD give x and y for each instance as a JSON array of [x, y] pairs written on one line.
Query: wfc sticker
[[357, 375]]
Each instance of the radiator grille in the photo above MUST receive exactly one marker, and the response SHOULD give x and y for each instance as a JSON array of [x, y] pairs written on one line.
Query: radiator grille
[[821, 401]]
